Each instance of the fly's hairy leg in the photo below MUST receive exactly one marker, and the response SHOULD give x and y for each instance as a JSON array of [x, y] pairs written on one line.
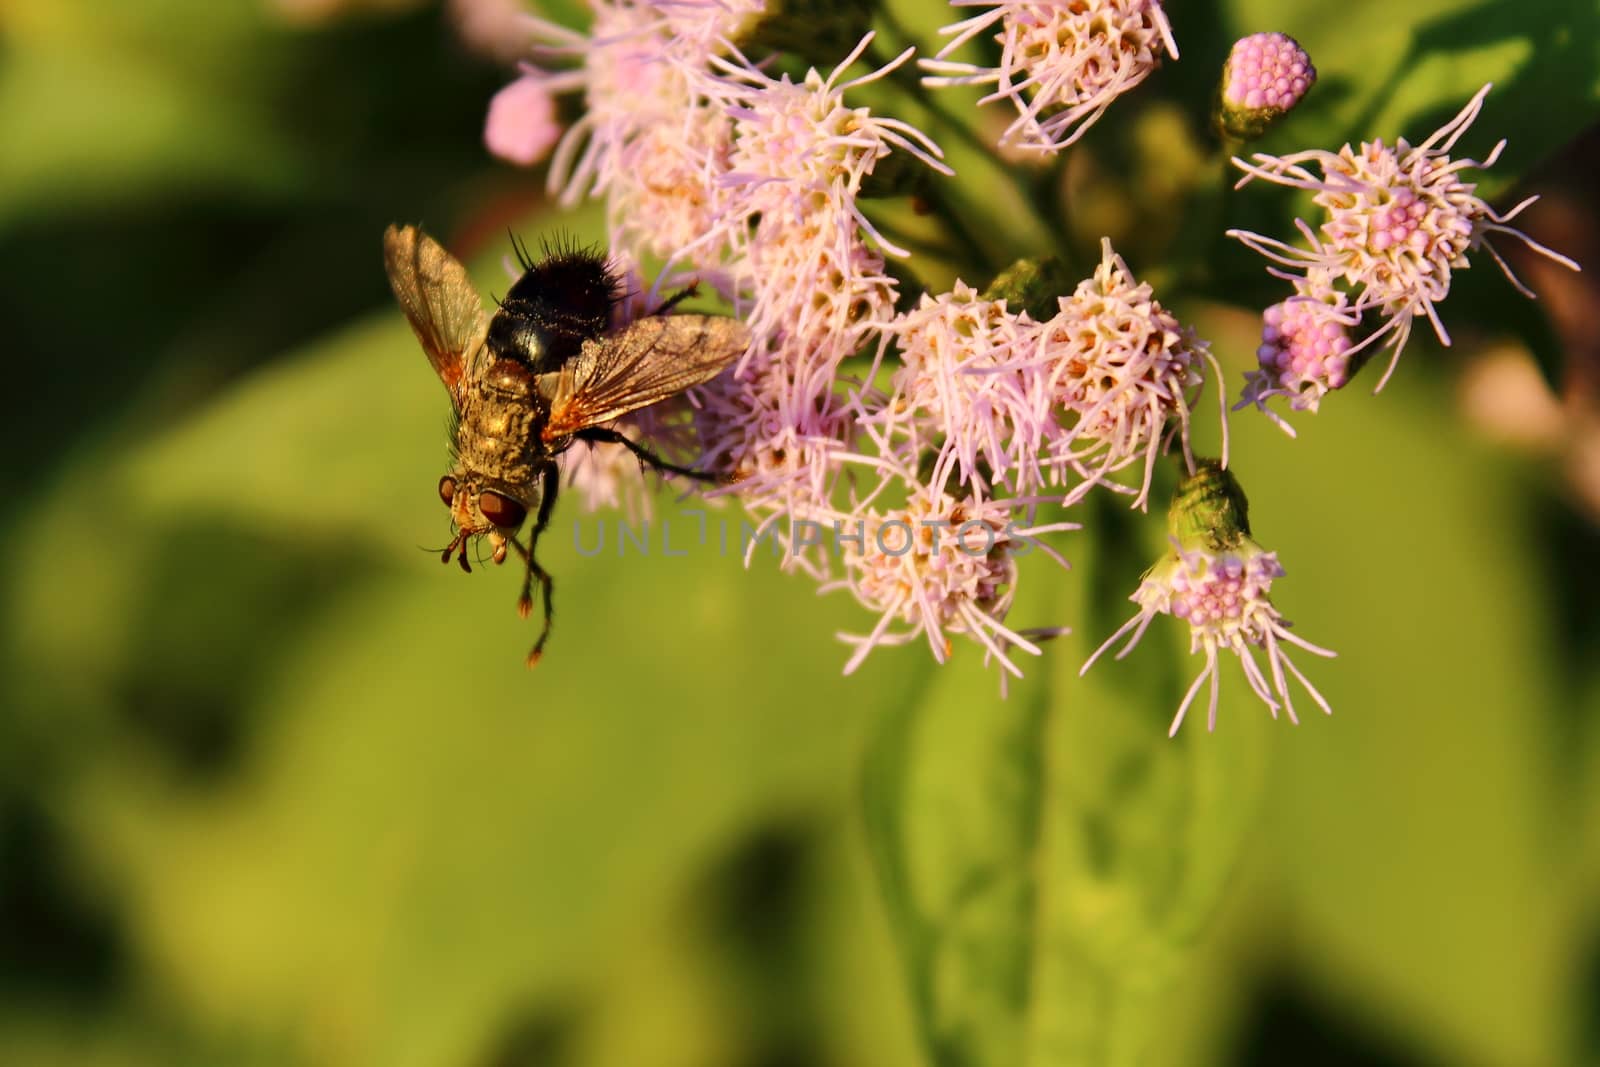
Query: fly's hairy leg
[[605, 435], [534, 572], [677, 298]]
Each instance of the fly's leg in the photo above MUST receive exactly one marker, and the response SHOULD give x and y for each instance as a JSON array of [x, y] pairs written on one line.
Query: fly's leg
[[534, 572], [605, 435], [677, 298]]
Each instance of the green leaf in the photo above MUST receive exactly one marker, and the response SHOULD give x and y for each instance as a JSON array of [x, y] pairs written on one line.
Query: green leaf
[[1418, 836]]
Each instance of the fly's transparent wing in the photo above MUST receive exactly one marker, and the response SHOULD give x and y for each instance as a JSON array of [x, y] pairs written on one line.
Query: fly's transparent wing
[[434, 291], [647, 361]]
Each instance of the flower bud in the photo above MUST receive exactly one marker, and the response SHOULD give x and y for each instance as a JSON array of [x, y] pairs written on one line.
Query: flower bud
[[1266, 75], [1209, 511], [1219, 581], [1305, 352], [1032, 285], [522, 126]]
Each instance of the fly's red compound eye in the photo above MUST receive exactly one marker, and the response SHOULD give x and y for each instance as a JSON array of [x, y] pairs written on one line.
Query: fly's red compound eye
[[447, 489], [501, 510]]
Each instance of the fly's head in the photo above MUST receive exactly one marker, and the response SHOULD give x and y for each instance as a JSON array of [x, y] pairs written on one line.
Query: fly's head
[[483, 507]]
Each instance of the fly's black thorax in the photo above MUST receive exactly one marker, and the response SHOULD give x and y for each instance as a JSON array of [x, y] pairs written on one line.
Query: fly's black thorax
[[499, 427]]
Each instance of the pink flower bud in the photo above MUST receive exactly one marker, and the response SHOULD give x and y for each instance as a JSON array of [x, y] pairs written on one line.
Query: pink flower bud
[[1267, 70], [522, 126], [1266, 75]]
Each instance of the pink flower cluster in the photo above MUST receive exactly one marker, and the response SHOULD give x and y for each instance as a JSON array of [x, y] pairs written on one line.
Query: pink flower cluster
[[943, 441], [754, 181], [1399, 221], [1003, 400], [1061, 65]]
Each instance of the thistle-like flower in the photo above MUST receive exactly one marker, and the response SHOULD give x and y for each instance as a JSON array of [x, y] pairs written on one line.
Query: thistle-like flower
[[963, 392], [814, 289], [1400, 220], [1218, 580], [1061, 65], [806, 268], [663, 198], [941, 565], [632, 74], [1304, 353], [799, 148], [809, 259], [775, 427], [1123, 376], [645, 140]]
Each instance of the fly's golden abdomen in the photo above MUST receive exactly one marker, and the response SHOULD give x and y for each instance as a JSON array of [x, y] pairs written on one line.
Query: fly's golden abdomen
[[498, 434]]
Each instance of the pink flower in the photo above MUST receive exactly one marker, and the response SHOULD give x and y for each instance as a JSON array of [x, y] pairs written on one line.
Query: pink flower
[[805, 267], [1006, 402], [809, 260], [1399, 222], [521, 126], [815, 287], [1223, 596], [776, 426], [962, 391], [798, 147], [1061, 65], [938, 566], [1218, 580], [1124, 374], [647, 140], [663, 197], [1304, 353], [634, 73]]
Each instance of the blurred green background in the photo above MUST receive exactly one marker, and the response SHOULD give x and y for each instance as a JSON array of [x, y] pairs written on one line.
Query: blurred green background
[[276, 789]]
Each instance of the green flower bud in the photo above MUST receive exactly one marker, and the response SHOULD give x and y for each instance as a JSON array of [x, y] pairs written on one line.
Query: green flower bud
[[1209, 510], [1032, 285]]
